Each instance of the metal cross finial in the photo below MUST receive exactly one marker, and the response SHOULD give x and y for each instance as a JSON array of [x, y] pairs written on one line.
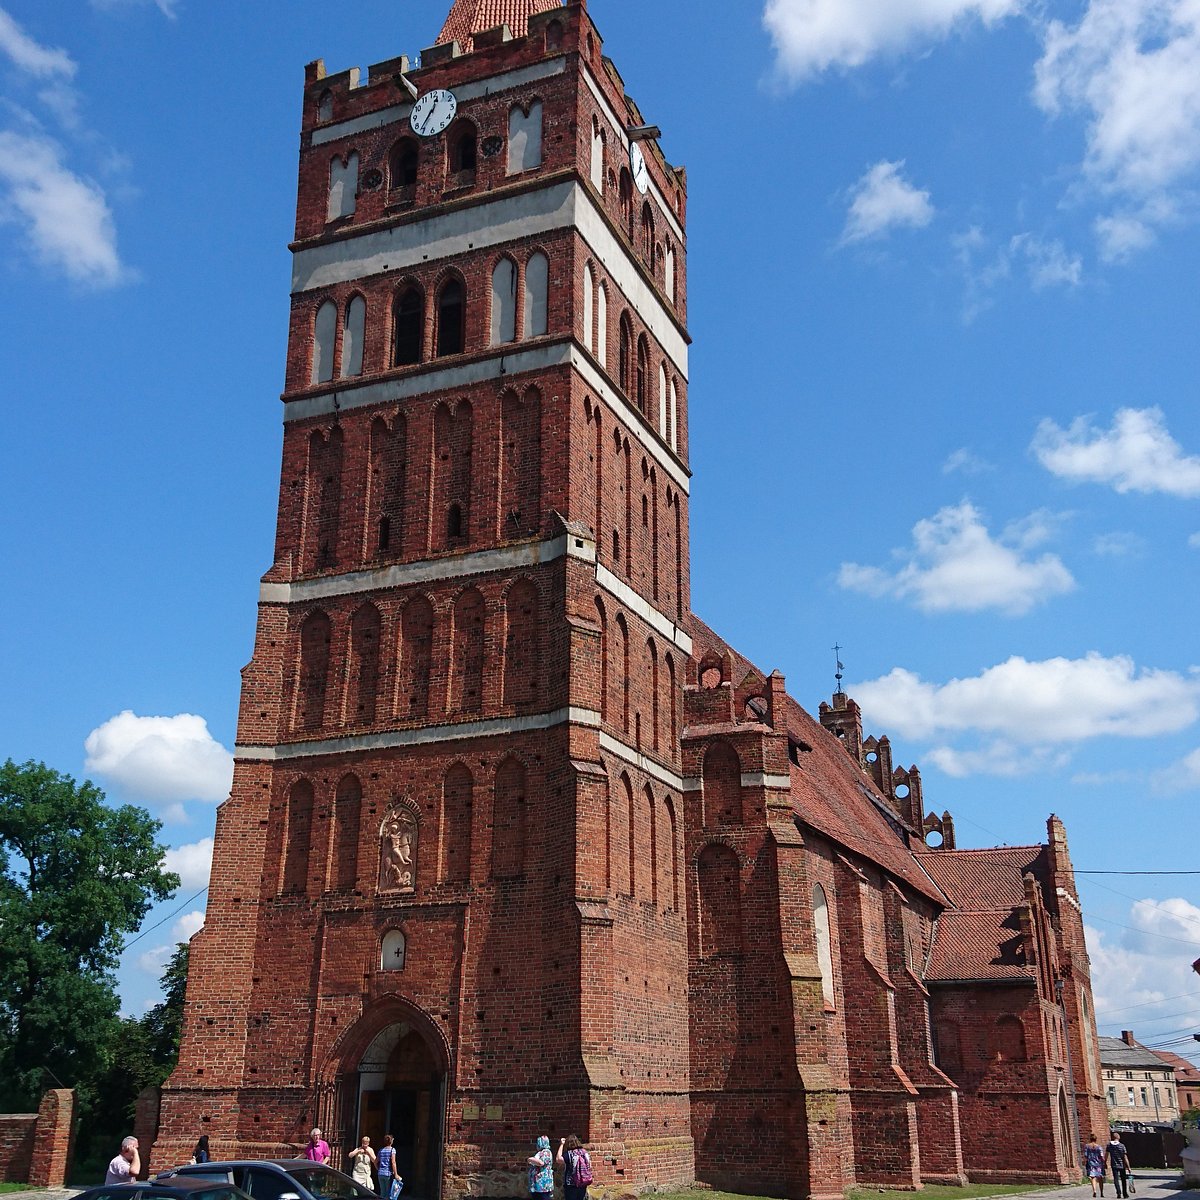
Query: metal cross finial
[[837, 650]]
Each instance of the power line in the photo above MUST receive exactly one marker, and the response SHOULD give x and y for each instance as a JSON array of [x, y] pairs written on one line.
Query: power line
[[1148, 933], [1142, 900], [1147, 1004], [165, 919], [1137, 872]]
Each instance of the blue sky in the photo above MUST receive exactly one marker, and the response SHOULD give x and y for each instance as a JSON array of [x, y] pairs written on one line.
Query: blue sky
[[944, 397]]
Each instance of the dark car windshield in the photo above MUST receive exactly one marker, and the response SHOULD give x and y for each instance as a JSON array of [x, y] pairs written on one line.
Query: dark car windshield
[[225, 1193], [329, 1184]]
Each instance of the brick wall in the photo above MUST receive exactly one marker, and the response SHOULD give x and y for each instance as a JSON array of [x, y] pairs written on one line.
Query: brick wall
[[36, 1148], [17, 1134]]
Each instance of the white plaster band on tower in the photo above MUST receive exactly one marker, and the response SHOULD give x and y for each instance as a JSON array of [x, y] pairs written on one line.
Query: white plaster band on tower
[[646, 765], [491, 223], [352, 394], [475, 90], [481, 562], [436, 570], [661, 624], [467, 730], [760, 779]]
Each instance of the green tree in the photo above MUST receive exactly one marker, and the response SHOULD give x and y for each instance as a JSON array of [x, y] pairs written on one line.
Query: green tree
[[76, 876]]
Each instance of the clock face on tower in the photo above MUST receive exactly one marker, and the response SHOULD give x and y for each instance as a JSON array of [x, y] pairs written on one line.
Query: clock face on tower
[[433, 113], [637, 164]]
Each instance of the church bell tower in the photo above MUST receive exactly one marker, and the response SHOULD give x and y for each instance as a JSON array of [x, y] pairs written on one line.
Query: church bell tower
[[447, 896]]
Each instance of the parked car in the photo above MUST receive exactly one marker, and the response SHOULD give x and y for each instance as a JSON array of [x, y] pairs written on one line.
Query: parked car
[[276, 1179], [166, 1189]]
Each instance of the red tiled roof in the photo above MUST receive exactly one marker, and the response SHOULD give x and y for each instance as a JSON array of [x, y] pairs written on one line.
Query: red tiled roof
[[469, 17], [983, 879], [839, 800], [1185, 1072], [978, 946]]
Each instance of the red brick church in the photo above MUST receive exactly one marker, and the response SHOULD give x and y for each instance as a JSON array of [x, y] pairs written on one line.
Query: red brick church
[[516, 843]]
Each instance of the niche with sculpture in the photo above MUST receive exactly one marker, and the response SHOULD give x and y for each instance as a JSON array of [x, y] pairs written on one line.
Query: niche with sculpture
[[399, 836]]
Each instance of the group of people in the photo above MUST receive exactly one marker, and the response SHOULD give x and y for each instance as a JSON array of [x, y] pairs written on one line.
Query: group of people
[[365, 1164], [1101, 1159], [576, 1165]]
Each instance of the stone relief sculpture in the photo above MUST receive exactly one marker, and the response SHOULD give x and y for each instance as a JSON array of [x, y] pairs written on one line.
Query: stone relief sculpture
[[398, 839]]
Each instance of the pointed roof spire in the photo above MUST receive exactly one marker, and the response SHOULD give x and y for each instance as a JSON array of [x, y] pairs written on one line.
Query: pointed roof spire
[[469, 17]]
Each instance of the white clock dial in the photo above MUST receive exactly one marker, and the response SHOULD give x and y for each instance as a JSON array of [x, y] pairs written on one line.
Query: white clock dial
[[433, 113], [637, 164]]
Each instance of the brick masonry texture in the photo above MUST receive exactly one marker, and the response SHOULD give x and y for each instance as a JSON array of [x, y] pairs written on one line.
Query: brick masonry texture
[[516, 843]]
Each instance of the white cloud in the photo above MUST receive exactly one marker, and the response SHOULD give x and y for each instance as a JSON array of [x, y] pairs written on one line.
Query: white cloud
[[1141, 976], [966, 462], [1117, 545], [955, 565], [1002, 758], [1181, 776], [154, 960], [1131, 69], [1058, 701], [1050, 264], [168, 8], [65, 217], [192, 863], [811, 36], [1122, 235], [161, 759], [1137, 454], [1194, 541], [42, 62], [187, 926], [882, 200]]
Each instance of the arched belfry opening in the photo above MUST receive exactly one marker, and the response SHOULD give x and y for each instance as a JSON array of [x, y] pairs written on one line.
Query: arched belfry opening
[[395, 1082]]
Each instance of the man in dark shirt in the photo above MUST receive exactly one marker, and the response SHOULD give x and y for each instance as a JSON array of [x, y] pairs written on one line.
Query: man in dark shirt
[[1117, 1157]]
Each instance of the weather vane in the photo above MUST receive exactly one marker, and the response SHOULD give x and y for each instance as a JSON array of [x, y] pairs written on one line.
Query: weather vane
[[837, 650]]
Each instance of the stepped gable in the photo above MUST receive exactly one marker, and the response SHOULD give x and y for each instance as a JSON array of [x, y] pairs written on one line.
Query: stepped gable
[[829, 792], [469, 17], [978, 947], [984, 880], [840, 800]]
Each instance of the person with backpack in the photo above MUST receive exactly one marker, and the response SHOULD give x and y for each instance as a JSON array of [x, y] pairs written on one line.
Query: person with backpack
[[573, 1157]]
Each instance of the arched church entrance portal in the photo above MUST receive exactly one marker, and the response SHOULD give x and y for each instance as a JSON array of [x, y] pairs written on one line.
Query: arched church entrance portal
[[401, 1090]]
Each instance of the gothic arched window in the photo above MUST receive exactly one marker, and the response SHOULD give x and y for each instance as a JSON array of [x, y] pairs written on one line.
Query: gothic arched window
[[353, 336], [324, 341], [343, 187], [537, 296], [504, 302], [509, 821], [625, 364], [451, 318], [409, 327], [824, 943], [299, 836], [315, 636], [403, 164], [365, 632], [720, 907]]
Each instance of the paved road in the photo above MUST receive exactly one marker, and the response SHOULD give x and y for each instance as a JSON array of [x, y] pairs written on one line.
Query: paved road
[[1151, 1185]]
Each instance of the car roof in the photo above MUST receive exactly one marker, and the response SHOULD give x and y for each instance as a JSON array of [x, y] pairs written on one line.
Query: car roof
[[165, 1186], [251, 1162]]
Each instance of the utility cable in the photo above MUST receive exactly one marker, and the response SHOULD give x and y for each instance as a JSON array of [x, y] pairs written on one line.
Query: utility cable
[[157, 924]]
